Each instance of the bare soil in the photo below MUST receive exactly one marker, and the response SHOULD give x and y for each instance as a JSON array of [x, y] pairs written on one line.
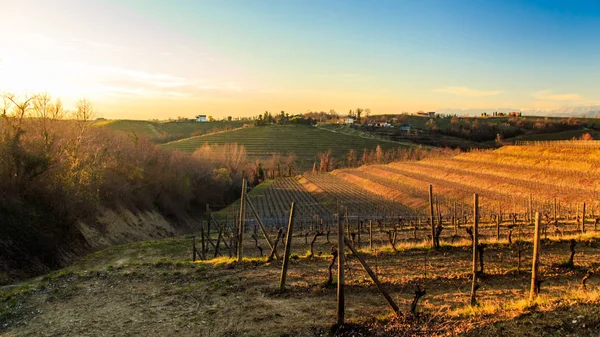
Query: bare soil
[[153, 289]]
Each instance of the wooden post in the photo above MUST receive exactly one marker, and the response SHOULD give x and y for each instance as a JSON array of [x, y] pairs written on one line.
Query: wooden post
[[241, 223], [385, 294], [194, 248], [340, 282], [204, 248], [219, 241], [536, 255], [208, 218], [555, 221], [431, 216], [475, 229], [498, 227], [288, 248], [260, 224], [359, 227], [583, 219], [454, 218], [371, 235], [530, 213]]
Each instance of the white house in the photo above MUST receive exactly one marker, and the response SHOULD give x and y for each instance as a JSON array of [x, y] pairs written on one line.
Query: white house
[[201, 118], [349, 120]]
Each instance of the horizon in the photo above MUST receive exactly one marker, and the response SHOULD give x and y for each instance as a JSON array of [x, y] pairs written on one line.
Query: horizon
[[155, 60]]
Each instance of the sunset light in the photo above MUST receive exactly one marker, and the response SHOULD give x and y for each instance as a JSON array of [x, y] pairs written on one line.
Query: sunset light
[[300, 168]]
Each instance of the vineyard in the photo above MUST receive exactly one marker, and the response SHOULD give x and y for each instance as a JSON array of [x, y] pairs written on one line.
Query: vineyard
[[304, 141], [162, 132], [517, 259]]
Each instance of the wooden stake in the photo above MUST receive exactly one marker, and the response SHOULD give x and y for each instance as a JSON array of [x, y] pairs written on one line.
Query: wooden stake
[[288, 248], [194, 249], [475, 235], [219, 241], [340, 282], [241, 223], [208, 218], [530, 213], [454, 218], [385, 294], [536, 255], [431, 216], [498, 227], [203, 251], [583, 219], [371, 235], [555, 221]]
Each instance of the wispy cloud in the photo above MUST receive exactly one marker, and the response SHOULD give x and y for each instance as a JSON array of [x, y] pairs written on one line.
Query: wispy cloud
[[122, 82], [463, 91], [548, 95]]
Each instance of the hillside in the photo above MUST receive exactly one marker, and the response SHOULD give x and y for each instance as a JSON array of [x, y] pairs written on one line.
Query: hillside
[[304, 141], [153, 287], [505, 178], [473, 132], [162, 132]]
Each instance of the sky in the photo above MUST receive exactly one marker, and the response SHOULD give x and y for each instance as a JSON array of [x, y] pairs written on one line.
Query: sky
[[151, 59]]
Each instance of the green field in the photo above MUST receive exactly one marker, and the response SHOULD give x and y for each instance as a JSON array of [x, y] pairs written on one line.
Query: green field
[[162, 132], [304, 141]]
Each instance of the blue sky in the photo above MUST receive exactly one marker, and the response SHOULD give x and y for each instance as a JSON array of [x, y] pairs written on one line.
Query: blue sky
[[159, 59]]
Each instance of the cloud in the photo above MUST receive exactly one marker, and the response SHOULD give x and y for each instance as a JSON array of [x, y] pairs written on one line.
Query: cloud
[[462, 91], [547, 95]]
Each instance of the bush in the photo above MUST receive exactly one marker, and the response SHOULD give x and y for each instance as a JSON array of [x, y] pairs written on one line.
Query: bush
[[55, 172]]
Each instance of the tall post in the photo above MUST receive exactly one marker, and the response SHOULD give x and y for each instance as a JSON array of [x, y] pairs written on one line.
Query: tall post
[[204, 247], [371, 235], [431, 216], [530, 213], [498, 227], [288, 248], [194, 248], [555, 222], [475, 234], [359, 227], [454, 218], [340, 283], [583, 219], [536, 255], [241, 223], [208, 218]]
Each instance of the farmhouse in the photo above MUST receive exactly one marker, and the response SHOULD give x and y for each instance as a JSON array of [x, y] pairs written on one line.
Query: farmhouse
[[201, 118], [349, 120]]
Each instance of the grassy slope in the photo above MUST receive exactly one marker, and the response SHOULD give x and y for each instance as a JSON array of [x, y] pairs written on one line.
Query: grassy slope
[[167, 131], [304, 141], [151, 288]]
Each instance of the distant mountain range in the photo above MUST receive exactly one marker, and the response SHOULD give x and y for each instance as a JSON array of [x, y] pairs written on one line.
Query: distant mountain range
[[567, 111]]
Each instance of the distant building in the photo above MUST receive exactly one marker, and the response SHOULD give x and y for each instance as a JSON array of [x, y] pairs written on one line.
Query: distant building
[[201, 118], [430, 114], [349, 120], [514, 114]]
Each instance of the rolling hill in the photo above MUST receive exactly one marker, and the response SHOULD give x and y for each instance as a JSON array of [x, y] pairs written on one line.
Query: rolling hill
[[304, 141]]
